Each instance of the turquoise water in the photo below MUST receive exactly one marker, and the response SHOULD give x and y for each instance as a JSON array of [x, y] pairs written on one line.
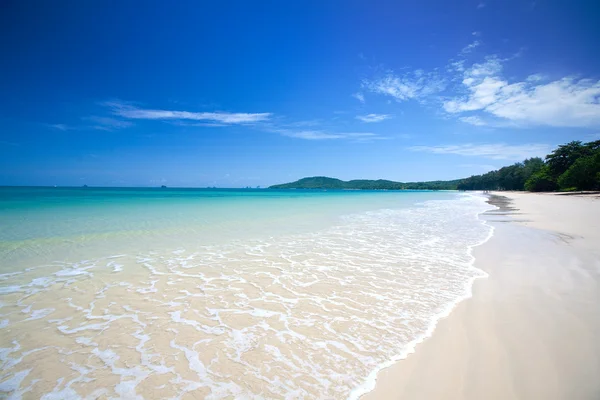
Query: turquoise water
[[29, 213], [171, 293], [83, 222]]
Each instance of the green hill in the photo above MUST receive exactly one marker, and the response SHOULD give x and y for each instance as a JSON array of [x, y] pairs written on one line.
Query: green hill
[[323, 182]]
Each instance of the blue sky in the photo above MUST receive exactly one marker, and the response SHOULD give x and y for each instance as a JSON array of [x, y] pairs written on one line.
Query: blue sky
[[232, 94]]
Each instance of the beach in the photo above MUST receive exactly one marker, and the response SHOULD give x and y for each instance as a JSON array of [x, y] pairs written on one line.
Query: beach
[[123, 293], [530, 329]]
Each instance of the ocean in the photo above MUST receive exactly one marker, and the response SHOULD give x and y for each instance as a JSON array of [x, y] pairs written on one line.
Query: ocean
[[211, 293]]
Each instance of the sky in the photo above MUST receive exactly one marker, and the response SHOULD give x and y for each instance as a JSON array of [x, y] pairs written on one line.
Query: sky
[[239, 93]]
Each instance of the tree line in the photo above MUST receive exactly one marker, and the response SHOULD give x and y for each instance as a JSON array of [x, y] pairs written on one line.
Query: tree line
[[572, 166]]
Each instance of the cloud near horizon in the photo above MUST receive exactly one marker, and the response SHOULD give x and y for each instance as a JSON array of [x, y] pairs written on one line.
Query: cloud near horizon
[[493, 151]]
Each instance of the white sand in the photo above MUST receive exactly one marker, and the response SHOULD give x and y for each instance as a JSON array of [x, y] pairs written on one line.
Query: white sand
[[532, 329]]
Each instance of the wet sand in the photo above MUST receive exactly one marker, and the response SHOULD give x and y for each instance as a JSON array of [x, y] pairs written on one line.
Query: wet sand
[[531, 329]]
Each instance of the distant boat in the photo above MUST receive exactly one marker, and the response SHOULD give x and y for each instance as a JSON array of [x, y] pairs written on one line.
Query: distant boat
[[163, 187]]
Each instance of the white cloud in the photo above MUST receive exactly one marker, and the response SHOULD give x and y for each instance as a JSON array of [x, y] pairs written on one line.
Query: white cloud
[[491, 66], [473, 120], [373, 117], [359, 96], [480, 5], [567, 102], [413, 85], [494, 151], [132, 112], [483, 95], [476, 33]]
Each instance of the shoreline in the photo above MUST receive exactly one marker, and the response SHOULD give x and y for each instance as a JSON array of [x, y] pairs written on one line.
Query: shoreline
[[473, 353], [370, 383]]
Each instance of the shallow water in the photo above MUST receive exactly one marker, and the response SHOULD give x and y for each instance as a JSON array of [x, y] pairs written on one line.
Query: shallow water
[[223, 294]]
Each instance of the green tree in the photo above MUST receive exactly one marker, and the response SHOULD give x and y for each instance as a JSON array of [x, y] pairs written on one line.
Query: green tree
[[565, 155], [593, 146], [583, 174], [512, 177], [541, 181], [531, 166]]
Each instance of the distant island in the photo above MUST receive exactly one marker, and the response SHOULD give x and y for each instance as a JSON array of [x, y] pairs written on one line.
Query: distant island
[[323, 182], [570, 167]]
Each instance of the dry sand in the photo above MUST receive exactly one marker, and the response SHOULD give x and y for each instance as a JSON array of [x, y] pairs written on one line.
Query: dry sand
[[532, 329]]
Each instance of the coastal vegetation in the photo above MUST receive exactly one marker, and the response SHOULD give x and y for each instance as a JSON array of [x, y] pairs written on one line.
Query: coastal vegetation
[[572, 166]]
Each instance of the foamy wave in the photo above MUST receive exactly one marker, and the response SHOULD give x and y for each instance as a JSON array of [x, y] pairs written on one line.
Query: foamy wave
[[312, 315]]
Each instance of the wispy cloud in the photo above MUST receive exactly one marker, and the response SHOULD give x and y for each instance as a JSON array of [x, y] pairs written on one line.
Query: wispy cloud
[[374, 117], [417, 84], [494, 151], [93, 122], [61, 127], [359, 96], [456, 66], [480, 5], [474, 120], [535, 78], [305, 123], [470, 47], [317, 134], [107, 123], [129, 111]]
